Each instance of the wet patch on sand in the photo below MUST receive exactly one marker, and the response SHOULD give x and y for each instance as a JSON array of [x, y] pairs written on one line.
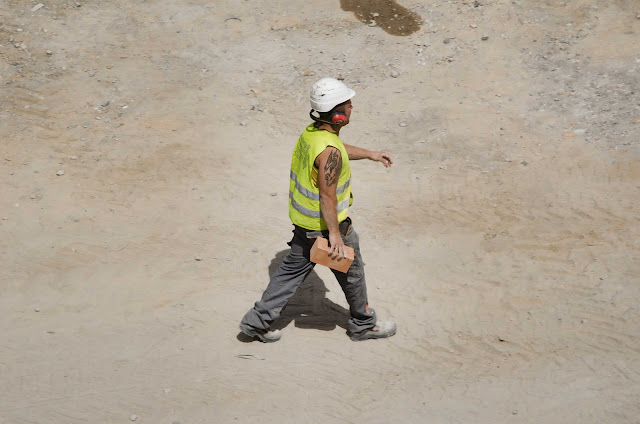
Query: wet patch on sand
[[386, 14]]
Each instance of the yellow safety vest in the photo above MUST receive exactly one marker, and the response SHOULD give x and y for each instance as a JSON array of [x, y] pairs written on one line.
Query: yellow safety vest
[[304, 195]]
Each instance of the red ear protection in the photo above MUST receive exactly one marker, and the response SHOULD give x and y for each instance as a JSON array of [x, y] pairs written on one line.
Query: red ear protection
[[338, 118]]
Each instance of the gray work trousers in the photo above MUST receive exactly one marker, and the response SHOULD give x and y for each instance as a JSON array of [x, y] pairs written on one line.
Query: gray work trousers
[[295, 268]]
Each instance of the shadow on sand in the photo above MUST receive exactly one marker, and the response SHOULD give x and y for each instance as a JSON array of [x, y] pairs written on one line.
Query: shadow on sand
[[308, 307]]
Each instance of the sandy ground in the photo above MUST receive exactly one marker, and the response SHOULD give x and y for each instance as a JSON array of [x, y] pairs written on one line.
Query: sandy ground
[[504, 241]]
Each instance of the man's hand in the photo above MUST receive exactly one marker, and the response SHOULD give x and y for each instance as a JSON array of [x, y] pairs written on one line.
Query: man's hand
[[381, 157], [337, 246]]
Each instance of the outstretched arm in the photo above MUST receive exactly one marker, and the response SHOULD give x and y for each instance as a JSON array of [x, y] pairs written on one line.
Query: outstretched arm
[[356, 153]]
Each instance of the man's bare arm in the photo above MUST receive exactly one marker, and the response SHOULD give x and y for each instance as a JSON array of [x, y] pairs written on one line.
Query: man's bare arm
[[357, 153], [329, 164]]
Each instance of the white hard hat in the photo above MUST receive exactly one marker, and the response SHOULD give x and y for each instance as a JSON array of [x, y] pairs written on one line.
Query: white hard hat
[[328, 93]]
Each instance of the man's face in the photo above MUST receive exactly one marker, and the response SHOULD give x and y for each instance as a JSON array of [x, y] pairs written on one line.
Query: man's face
[[348, 107]]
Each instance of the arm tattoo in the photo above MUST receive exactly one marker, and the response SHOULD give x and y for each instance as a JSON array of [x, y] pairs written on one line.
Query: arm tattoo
[[332, 168]]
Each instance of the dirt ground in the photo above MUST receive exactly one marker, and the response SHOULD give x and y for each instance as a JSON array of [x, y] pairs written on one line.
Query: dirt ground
[[144, 168]]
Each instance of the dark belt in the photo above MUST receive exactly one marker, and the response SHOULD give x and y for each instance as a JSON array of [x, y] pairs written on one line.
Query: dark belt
[[344, 227]]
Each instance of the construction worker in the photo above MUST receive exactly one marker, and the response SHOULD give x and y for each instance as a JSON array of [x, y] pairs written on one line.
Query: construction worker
[[319, 199]]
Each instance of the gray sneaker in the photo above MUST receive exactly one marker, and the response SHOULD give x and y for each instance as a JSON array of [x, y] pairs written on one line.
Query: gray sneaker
[[263, 335], [382, 330]]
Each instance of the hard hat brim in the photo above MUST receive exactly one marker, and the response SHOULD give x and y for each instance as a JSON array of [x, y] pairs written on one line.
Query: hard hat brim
[[326, 107]]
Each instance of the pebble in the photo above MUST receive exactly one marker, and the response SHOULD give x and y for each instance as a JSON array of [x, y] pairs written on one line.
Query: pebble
[[37, 309], [105, 103], [37, 7], [473, 26], [133, 417], [273, 194], [255, 250], [514, 412], [60, 173], [375, 14], [198, 258], [403, 124], [373, 23], [49, 52], [524, 162], [394, 74], [485, 37], [92, 73]]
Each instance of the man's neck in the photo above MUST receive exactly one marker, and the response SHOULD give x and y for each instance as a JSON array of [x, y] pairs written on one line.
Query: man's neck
[[335, 129]]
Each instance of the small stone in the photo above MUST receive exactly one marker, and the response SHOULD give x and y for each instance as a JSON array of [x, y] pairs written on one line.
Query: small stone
[[403, 124], [92, 73], [60, 173], [514, 412], [198, 258], [373, 23], [255, 250], [133, 417], [375, 14], [524, 162], [243, 124], [49, 52], [105, 103], [485, 37], [37, 7], [473, 26], [273, 194], [37, 309], [394, 74], [446, 40], [73, 157]]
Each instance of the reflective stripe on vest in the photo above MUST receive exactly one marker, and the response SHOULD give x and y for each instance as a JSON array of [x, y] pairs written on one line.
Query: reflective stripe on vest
[[312, 195], [315, 214]]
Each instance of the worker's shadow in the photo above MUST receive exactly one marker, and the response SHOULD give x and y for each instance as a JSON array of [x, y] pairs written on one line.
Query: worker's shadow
[[308, 307]]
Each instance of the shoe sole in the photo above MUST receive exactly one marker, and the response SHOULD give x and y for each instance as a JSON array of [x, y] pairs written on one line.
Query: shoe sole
[[259, 336], [371, 335]]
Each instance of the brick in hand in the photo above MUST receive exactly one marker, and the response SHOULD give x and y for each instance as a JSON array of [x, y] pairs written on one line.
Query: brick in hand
[[320, 255]]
